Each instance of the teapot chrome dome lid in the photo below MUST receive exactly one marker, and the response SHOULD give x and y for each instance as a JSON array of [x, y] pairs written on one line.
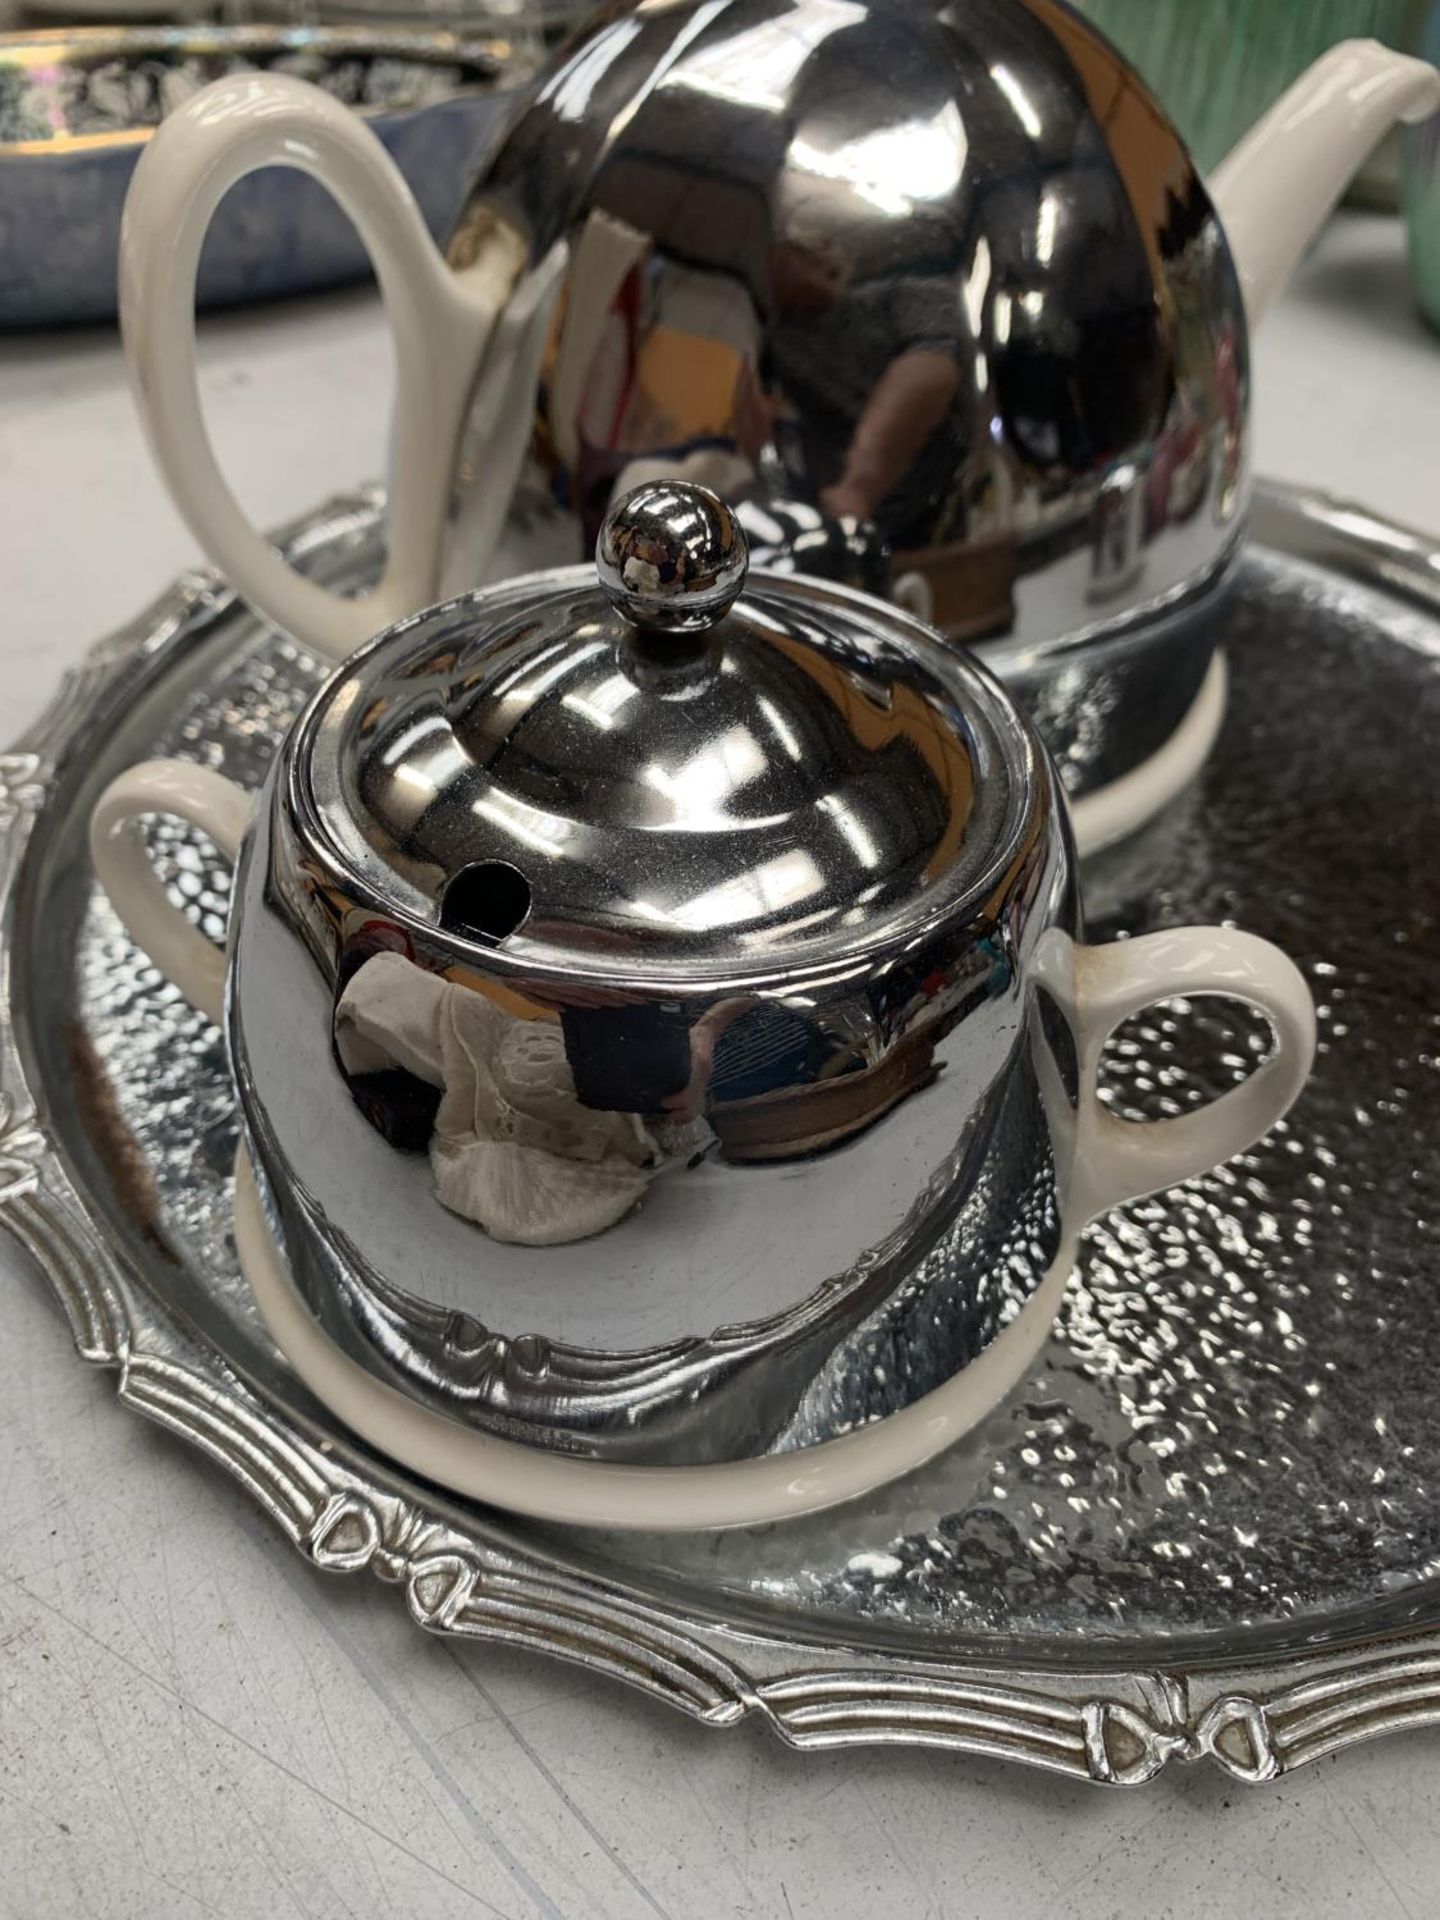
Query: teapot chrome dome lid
[[666, 768], [942, 271]]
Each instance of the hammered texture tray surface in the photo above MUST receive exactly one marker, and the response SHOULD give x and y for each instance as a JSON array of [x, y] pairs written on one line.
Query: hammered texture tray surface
[[1228, 1459]]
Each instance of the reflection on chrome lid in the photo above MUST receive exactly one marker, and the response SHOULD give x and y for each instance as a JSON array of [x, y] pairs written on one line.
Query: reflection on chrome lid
[[781, 773]]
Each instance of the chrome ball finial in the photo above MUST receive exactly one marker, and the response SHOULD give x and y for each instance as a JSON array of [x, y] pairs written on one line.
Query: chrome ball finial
[[671, 557]]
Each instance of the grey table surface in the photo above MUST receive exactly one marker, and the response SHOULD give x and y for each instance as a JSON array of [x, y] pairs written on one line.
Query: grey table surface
[[194, 1721]]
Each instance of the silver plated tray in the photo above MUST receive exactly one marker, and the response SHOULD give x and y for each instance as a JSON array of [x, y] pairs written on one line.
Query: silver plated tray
[[1207, 1525]]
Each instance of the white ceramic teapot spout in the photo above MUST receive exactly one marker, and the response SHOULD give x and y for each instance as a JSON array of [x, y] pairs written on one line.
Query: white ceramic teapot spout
[[1276, 187]]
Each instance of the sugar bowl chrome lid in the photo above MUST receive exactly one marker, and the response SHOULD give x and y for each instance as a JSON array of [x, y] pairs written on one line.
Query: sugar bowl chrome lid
[[655, 778], [658, 1016]]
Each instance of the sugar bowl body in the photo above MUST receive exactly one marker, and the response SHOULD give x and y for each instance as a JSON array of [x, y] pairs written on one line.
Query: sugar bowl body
[[661, 1020]]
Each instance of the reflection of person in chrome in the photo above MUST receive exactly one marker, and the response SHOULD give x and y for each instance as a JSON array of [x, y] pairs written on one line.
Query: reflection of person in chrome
[[873, 369], [480, 1078], [650, 1057], [545, 1120], [906, 405], [744, 1048], [769, 1080]]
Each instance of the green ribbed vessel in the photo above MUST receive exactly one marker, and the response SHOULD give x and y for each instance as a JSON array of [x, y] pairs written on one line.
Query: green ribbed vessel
[[1422, 193], [1218, 64]]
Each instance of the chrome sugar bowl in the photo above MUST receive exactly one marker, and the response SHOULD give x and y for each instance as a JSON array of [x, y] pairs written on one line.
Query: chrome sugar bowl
[[659, 1015]]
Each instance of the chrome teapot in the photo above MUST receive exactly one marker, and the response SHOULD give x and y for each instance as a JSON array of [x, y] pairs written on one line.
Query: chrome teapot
[[665, 1043], [933, 291]]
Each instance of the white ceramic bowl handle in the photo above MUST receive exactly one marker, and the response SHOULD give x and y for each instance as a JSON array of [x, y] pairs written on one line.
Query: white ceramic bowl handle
[[1119, 1160], [208, 801], [441, 321]]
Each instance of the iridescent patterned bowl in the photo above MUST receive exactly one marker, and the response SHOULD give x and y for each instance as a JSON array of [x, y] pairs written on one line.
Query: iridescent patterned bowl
[[78, 105]]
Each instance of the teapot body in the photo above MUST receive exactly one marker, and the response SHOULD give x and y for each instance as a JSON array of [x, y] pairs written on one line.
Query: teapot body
[[931, 288]]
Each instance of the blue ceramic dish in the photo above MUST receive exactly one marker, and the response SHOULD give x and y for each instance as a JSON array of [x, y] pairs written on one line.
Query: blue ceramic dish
[[77, 106]]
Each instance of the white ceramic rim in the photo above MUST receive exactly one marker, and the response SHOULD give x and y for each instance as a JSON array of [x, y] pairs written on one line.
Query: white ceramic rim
[[1112, 813], [600, 1493]]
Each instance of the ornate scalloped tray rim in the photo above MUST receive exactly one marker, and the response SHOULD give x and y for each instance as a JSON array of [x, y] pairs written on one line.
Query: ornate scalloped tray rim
[[1255, 1719]]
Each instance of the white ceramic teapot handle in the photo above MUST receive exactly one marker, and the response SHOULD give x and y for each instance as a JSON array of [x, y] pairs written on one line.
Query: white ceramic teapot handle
[[442, 321], [1119, 1160], [208, 801]]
